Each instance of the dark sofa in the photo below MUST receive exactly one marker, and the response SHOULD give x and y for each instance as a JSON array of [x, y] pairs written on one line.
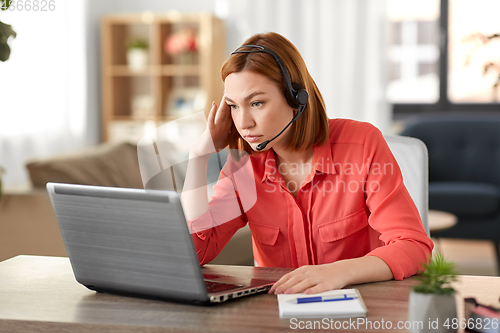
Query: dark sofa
[[464, 172]]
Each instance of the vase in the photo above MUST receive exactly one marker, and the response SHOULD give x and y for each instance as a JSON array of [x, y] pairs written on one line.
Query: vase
[[431, 313], [137, 59]]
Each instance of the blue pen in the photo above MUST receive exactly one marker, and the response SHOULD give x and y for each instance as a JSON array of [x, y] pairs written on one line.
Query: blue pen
[[317, 299]]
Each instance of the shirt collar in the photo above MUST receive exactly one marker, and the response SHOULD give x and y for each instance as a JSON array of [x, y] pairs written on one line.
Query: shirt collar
[[323, 159], [270, 167], [322, 162]]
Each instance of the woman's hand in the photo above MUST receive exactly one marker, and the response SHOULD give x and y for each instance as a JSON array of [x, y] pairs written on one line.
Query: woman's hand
[[319, 278], [311, 279], [216, 134]]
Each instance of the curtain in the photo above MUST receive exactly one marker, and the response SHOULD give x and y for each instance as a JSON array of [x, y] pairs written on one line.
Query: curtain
[[43, 96], [343, 43]]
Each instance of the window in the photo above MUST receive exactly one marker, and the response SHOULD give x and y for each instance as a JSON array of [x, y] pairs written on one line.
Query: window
[[413, 51], [438, 55], [470, 50]]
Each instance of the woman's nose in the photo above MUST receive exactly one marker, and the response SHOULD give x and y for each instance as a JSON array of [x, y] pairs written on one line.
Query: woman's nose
[[246, 120]]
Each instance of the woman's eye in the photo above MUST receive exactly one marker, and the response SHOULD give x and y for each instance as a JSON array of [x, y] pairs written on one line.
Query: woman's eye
[[257, 104], [232, 106]]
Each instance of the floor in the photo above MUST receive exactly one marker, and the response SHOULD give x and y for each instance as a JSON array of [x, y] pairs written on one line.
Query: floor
[[470, 257]]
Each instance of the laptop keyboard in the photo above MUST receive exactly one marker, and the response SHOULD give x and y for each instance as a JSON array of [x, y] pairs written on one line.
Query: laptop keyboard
[[215, 287]]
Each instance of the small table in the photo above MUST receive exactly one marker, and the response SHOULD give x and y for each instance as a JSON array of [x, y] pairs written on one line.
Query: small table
[[440, 221]]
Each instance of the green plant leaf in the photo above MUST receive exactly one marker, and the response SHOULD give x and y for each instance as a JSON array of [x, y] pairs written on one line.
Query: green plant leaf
[[6, 32], [5, 4], [436, 277], [4, 52], [137, 43]]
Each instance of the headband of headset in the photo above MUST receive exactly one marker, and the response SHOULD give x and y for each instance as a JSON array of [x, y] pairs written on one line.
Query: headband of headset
[[296, 95]]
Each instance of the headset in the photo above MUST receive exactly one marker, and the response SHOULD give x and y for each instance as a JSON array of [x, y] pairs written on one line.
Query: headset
[[295, 93]]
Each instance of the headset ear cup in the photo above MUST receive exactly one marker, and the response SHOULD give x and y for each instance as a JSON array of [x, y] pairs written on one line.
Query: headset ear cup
[[292, 96], [301, 96]]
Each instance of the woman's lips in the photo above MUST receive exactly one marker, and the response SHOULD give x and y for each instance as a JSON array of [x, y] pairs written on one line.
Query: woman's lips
[[253, 138]]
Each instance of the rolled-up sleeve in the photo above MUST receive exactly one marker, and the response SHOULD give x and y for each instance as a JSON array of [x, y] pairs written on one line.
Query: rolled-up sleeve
[[406, 245]]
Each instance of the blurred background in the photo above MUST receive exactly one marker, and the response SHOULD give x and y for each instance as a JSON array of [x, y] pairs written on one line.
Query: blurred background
[[85, 80]]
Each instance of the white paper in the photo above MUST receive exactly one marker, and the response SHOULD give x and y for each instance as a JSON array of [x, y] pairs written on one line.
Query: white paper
[[337, 309]]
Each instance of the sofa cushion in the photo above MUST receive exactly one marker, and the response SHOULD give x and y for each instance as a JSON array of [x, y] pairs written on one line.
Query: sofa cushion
[[464, 198], [103, 165]]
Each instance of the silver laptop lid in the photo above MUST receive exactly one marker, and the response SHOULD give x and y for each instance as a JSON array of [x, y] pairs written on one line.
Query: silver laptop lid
[[128, 241]]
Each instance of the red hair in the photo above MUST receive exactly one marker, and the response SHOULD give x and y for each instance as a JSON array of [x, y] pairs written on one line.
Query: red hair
[[311, 128]]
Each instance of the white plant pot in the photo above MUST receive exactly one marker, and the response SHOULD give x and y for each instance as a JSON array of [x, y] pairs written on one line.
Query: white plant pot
[[137, 59], [433, 311]]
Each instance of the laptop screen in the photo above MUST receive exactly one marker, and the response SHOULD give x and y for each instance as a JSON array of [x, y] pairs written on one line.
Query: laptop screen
[[128, 240]]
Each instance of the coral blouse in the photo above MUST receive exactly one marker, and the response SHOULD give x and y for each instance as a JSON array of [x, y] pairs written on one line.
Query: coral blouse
[[352, 204]]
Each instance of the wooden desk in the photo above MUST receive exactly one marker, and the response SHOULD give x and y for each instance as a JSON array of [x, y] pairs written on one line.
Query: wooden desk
[[40, 294]]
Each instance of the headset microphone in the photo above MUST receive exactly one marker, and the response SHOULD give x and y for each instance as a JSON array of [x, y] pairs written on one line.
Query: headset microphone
[[295, 93], [263, 145]]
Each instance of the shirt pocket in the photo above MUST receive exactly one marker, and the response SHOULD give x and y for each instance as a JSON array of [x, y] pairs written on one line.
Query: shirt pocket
[[265, 234], [267, 244], [335, 230]]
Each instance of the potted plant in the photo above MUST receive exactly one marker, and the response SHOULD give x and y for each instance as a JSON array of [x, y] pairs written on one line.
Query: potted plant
[[5, 33], [432, 302], [137, 54]]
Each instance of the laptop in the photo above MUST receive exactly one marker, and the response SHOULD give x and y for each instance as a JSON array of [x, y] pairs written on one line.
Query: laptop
[[137, 243]]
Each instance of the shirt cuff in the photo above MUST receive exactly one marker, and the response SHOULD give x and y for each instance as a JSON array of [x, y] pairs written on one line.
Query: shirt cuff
[[398, 261]]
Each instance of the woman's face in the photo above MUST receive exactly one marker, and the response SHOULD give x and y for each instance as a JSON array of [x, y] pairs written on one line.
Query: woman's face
[[258, 107]]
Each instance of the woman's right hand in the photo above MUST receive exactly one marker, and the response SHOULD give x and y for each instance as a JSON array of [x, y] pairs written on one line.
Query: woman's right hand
[[216, 135]]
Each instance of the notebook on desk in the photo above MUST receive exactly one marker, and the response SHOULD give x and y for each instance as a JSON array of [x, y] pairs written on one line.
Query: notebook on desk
[[129, 241], [342, 303]]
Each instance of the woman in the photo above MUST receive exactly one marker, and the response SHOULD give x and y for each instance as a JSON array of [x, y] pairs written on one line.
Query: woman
[[330, 199]]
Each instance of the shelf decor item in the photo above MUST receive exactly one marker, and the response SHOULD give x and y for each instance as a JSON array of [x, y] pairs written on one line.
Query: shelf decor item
[[137, 54], [142, 107], [432, 302], [186, 100], [182, 45]]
